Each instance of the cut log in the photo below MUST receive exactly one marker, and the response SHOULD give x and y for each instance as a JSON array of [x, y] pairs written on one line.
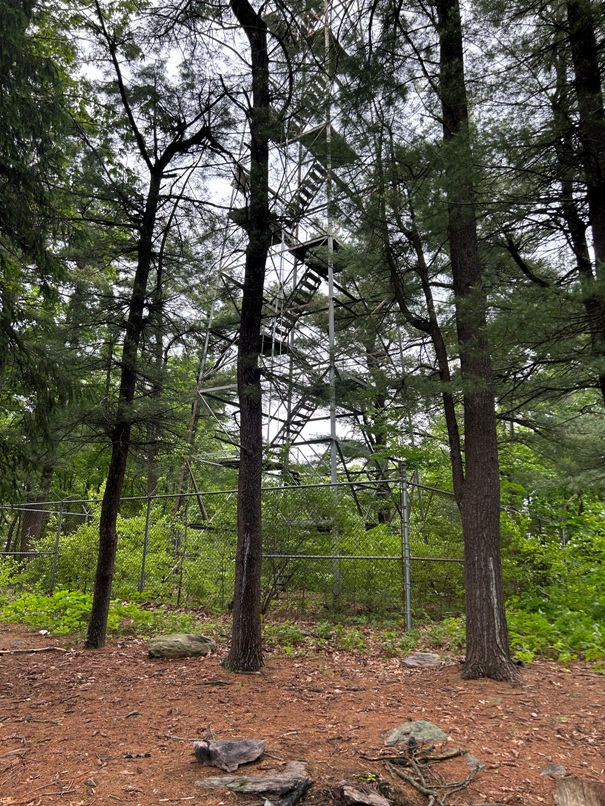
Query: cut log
[[180, 645], [274, 783], [228, 754], [579, 792]]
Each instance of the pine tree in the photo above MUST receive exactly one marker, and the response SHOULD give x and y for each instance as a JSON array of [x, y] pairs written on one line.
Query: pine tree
[[246, 641]]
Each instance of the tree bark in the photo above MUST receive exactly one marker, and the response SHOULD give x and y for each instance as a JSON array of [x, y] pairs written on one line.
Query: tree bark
[[591, 129], [478, 492], [246, 644], [585, 58], [121, 432], [428, 324]]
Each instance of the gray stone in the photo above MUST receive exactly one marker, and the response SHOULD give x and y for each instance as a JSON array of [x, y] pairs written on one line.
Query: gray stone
[[294, 775], [180, 645], [554, 770], [421, 660], [473, 762], [293, 796], [228, 754], [421, 730]]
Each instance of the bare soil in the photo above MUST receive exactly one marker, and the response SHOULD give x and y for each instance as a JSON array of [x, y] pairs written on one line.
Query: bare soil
[[112, 726]]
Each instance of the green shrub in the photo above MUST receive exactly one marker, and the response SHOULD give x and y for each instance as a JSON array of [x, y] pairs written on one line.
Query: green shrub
[[67, 612], [559, 608]]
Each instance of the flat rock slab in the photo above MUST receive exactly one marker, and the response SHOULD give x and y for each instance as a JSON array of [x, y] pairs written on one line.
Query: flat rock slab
[[180, 645], [228, 754], [276, 782], [421, 730], [358, 796], [421, 660]]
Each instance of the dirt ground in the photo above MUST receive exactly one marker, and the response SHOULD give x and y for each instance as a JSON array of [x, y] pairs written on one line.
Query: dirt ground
[[112, 726]]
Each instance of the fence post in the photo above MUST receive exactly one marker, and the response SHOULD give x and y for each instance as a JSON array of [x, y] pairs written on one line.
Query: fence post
[[405, 540], [56, 551], [145, 544]]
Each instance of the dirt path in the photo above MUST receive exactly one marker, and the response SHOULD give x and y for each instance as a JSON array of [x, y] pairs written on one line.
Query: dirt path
[[105, 727]]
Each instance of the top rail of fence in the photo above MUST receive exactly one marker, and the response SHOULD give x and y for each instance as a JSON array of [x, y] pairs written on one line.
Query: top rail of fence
[[55, 503], [58, 503]]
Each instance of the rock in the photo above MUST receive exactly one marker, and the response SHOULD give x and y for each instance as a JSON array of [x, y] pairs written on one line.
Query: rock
[[473, 762], [579, 792], [276, 782], [421, 730], [554, 770], [421, 660], [228, 754], [362, 796], [293, 797], [180, 645]]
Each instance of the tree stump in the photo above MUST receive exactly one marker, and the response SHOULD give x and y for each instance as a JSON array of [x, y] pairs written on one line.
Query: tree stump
[[579, 792]]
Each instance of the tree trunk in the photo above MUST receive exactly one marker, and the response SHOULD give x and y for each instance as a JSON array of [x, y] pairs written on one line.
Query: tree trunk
[[120, 437], [578, 792], [591, 109], [184, 138], [478, 493], [246, 645], [156, 366], [428, 324]]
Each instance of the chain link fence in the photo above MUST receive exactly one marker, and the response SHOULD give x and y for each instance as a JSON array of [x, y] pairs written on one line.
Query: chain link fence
[[389, 546]]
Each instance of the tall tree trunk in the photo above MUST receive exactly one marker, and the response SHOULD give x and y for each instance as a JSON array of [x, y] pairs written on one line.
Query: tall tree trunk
[[593, 299], [186, 135], [478, 493], [156, 367], [591, 111], [120, 436], [246, 644], [428, 324]]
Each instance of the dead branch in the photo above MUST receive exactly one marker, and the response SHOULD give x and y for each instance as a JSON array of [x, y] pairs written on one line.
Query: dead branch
[[404, 760], [39, 649]]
